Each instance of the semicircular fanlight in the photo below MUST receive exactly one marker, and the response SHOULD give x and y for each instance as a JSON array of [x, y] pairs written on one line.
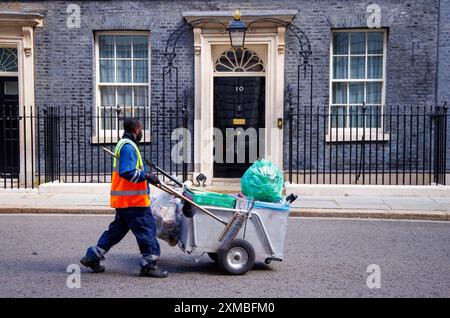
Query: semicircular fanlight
[[239, 60], [8, 60]]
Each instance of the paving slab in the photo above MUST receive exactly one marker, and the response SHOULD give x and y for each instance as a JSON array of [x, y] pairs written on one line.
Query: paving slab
[[413, 203], [443, 201], [316, 204], [370, 203], [315, 198], [340, 213], [359, 199]]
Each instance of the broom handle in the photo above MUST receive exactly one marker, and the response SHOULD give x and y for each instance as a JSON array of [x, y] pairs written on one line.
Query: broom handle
[[152, 165], [176, 194], [110, 152]]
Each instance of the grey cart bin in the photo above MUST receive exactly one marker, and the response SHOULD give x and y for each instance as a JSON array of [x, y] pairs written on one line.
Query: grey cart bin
[[261, 238]]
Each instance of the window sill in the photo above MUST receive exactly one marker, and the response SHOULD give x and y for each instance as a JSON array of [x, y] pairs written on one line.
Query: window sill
[[347, 137], [98, 140]]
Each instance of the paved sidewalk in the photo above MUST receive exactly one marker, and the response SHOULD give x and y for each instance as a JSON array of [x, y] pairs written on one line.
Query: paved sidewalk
[[387, 207], [380, 207]]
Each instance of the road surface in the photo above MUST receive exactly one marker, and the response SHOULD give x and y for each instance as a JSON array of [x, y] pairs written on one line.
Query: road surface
[[323, 258]]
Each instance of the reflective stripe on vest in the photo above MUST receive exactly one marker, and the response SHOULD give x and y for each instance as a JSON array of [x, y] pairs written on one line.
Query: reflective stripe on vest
[[125, 193]]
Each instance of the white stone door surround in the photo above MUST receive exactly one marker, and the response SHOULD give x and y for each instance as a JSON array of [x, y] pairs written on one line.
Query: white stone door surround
[[272, 37], [17, 31]]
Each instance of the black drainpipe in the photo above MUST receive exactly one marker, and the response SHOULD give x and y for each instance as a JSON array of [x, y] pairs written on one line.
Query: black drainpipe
[[436, 84]]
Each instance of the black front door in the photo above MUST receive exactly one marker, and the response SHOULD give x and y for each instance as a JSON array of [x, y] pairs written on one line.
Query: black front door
[[239, 102], [9, 127]]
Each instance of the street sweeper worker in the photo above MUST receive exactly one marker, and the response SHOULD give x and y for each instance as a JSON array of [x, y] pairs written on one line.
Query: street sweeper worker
[[130, 197]]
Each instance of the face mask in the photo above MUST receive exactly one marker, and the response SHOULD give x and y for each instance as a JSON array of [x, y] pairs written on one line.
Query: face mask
[[139, 136]]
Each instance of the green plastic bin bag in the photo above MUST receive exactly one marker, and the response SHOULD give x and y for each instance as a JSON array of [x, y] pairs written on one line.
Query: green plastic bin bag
[[263, 181]]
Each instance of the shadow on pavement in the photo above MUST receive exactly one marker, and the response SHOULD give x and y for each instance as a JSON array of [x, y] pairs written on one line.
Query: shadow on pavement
[[179, 264]]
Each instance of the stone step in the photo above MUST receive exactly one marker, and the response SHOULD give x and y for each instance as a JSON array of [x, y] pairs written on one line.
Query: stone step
[[226, 181], [7, 184], [225, 185]]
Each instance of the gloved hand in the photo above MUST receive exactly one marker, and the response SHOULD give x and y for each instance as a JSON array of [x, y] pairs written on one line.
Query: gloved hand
[[188, 210], [152, 178]]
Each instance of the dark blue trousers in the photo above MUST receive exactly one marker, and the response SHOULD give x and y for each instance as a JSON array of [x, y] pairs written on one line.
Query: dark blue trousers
[[141, 223]]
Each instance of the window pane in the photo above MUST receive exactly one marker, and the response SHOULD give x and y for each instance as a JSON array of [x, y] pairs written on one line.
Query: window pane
[[11, 88], [373, 116], [124, 71], [340, 43], [373, 93], [339, 93], [107, 97], [140, 96], [340, 67], [375, 42], [356, 93], [107, 71], [140, 71], [124, 96], [375, 67], [140, 46], [123, 46], [8, 60], [106, 46], [338, 116], [356, 117], [358, 67], [357, 42]]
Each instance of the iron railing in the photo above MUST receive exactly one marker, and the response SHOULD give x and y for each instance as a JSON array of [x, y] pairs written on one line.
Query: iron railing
[[395, 146], [401, 145], [65, 144]]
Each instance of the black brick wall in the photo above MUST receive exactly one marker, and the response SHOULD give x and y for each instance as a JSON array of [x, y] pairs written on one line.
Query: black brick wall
[[64, 70]]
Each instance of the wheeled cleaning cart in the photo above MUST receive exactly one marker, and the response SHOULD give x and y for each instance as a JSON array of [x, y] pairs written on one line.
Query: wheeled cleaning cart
[[261, 237], [234, 248]]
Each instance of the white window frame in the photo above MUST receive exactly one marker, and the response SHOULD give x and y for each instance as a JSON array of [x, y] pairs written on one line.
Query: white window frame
[[112, 135], [338, 134]]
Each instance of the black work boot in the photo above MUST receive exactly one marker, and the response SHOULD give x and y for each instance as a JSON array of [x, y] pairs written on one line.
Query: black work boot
[[152, 270], [93, 264]]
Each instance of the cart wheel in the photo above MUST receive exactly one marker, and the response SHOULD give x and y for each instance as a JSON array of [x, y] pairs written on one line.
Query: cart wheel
[[213, 256], [237, 258]]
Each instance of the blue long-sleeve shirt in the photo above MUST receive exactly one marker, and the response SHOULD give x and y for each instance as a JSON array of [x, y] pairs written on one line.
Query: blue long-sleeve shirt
[[127, 165]]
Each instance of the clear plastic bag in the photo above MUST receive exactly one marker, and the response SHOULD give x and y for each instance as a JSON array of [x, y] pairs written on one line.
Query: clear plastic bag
[[263, 181], [167, 210]]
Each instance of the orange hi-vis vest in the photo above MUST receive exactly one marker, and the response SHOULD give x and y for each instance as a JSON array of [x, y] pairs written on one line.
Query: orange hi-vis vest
[[125, 194]]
